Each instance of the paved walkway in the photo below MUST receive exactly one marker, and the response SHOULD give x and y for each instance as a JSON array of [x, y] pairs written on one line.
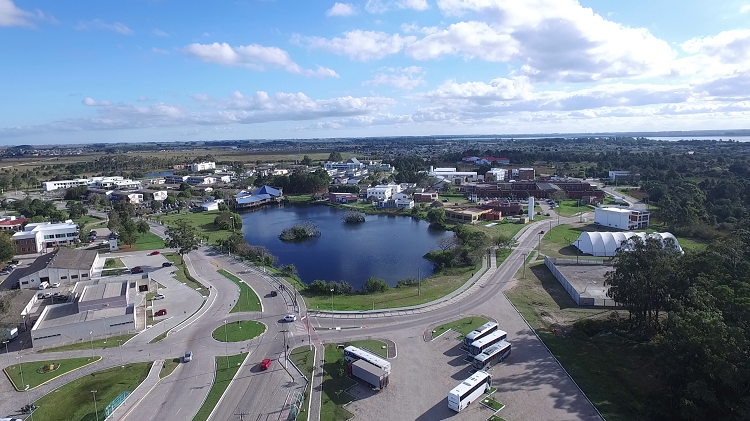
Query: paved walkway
[[139, 393]]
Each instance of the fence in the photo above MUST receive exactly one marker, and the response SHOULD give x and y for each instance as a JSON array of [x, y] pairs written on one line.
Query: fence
[[551, 263], [115, 403], [580, 261]]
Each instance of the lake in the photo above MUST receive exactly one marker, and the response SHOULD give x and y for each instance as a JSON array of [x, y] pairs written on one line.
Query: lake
[[159, 174], [386, 247]]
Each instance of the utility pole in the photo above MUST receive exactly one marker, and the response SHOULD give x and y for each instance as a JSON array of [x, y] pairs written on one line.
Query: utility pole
[[242, 415], [285, 347], [525, 255]]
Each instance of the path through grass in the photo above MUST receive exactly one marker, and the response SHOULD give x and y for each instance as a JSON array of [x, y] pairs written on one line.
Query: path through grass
[[36, 373], [303, 358]]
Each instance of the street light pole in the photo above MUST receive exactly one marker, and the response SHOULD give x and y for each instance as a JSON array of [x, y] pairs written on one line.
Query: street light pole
[[96, 410], [331, 299], [119, 341], [91, 339], [525, 255], [28, 401], [7, 346], [226, 343]]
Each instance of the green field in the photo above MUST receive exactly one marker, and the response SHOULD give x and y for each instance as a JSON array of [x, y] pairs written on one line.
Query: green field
[[248, 300], [34, 373], [169, 366], [224, 375], [147, 241], [617, 374], [87, 221], [111, 342], [75, 402], [462, 326], [303, 358], [239, 331], [372, 346], [436, 286], [569, 207], [335, 382], [111, 263], [204, 221], [504, 228], [182, 275]]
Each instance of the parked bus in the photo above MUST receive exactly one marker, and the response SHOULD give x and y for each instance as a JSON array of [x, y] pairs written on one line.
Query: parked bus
[[492, 355], [469, 390], [477, 347], [352, 353], [479, 333]]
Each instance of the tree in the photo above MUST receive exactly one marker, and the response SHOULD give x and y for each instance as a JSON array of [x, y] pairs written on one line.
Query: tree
[[127, 236], [335, 157], [170, 200], [142, 227], [289, 270], [436, 217], [503, 242], [558, 196], [76, 209], [228, 221], [183, 237], [306, 161], [375, 285], [155, 205], [114, 222], [7, 247]]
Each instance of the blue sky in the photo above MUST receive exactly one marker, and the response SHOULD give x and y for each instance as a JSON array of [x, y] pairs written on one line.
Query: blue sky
[[163, 70]]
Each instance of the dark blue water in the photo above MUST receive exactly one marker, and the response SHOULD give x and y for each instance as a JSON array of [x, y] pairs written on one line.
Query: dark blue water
[[159, 174], [386, 247]]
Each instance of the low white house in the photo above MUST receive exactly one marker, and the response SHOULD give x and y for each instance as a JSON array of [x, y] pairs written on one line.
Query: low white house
[[383, 191], [62, 265], [211, 206]]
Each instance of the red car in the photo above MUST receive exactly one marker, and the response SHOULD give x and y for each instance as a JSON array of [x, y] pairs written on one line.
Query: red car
[[154, 253], [162, 312], [265, 364]]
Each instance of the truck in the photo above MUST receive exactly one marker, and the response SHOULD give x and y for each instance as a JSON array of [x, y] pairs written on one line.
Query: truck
[[12, 333], [370, 373]]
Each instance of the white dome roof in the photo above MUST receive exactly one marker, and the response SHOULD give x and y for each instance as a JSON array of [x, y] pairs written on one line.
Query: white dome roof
[[607, 243]]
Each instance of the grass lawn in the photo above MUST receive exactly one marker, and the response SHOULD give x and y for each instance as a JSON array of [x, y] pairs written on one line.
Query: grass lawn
[[495, 418], [239, 331], [113, 272], [158, 338], [298, 198], [182, 275], [34, 373], [248, 300], [147, 241], [169, 367], [303, 358], [618, 375], [464, 326], [376, 347], [501, 255], [492, 403], [111, 342], [504, 228], [204, 221], [74, 401], [111, 263], [224, 375], [569, 207], [86, 220], [436, 286], [335, 382]]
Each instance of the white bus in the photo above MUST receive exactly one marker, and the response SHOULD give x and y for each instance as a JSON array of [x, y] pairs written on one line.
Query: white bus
[[469, 390], [479, 333], [477, 347], [352, 353], [492, 355]]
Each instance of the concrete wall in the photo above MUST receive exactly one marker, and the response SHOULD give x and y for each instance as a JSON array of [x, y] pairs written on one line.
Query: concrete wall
[[612, 218]]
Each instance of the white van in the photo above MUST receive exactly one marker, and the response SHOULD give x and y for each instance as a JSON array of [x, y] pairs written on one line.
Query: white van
[[44, 285]]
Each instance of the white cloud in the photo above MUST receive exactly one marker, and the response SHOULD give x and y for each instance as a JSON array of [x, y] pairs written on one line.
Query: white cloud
[[10, 15], [362, 45], [745, 8], [401, 78], [253, 57], [341, 9], [100, 24], [159, 33], [92, 103], [382, 6]]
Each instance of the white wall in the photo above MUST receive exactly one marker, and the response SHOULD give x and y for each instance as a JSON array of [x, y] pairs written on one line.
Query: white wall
[[80, 331], [614, 218]]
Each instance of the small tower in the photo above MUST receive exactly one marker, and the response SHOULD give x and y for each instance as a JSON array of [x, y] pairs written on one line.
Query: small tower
[[113, 242], [531, 208]]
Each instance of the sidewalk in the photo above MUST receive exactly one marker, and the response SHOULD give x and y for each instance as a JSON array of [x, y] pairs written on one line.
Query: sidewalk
[[139, 393]]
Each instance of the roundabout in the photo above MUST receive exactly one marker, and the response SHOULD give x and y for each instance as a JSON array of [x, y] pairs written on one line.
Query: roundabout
[[242, 330]]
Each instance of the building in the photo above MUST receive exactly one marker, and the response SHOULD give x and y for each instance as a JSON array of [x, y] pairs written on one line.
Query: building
[[496, 174], [225, 178], [485, 160], [175, 179], [98, 309], [505, 207], [11, 223], [383, 191], [258, 197], [197, 180], [457, 177], [38, 237], [130, 197], [607, 243], [428, 197], [62, 265], [619, 175], [465, 215], [155, 181], [119, 183], [64, 184], [203, 166], [526, 174], [399, 203], [158, 195], [342, 197], [350, 164], [621, 218], [375, 166], [211, 206]]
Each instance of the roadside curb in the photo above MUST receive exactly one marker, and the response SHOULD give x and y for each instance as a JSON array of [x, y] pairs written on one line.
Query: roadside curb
[[98, 358]]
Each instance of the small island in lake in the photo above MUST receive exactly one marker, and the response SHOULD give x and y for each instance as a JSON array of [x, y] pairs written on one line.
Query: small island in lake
[[353, 217], [300, 232]]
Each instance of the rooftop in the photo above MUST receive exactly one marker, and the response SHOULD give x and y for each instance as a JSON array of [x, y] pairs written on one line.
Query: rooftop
[[65, 314], [106, 290], [64, 259]]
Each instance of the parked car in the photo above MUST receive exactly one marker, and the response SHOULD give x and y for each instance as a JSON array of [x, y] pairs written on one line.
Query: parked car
[[5, 272], [188, 357], [159, 297], [154, 253], [136, 269], [162, 312], [47, 295], [290, 318], [55, 285], [265, 364], [93, 233], [40, 296], [166, 264]]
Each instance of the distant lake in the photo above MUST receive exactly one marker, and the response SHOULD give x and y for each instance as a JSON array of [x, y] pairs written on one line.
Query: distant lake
[[386, 247], [159, 174], [724, 138]]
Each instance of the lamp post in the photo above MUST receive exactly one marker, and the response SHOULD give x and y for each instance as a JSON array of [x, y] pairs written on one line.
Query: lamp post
[[91, 339], [119, 341], [7, 345], [525, 255], [28, 401], [20, 367], [331, 299], [96, 410], [578, 249], [539, 245], [226, 343]]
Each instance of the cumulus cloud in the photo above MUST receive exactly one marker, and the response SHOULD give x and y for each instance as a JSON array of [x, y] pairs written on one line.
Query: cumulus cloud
[[253, 57], [361, 45], [402, 78], [341, 9], [382, 6], [11, 15], [745, 8], [116, 27], [92, 103]]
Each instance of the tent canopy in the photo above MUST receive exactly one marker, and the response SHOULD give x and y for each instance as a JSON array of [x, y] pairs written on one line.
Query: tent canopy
[[607, 243]]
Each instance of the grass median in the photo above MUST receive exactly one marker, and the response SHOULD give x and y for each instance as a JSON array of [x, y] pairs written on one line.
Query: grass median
[[111, 342], [182, 275], [112, 263], [242, 330], [617, 374], [36, 373], [248, 300], [304, 358], [169, 366], [226, 368], [372, 345], [436, 286], [75, 402], [462, 326], [335, 384]]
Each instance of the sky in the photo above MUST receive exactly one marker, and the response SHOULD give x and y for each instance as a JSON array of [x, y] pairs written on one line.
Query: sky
[[167, 70]]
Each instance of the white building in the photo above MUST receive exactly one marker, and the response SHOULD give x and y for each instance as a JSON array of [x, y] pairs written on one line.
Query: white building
[[40, 236], [133, 198], [350, 164], [159, 195], [621, 218], [225, 178], [607, 243], [176, 179], [197, 180], [116, 182], [98, 310], [64, 184], [63, 265], [203, 166], [452, 175], [497, 174], [211, 206], [383, 191], [618, 175]]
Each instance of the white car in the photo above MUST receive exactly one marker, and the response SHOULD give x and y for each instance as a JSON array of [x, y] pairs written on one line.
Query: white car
[[159, 297], [188, 357], [56, 285], [290, 318]]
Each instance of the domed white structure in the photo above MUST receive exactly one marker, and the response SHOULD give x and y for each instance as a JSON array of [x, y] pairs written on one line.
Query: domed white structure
[[607, 243]]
